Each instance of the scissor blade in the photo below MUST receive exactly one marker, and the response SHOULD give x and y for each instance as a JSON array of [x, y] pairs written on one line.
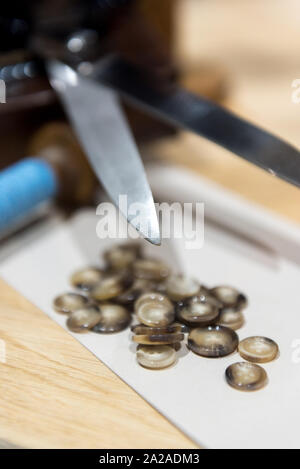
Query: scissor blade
[[103, 132], [205, 118]]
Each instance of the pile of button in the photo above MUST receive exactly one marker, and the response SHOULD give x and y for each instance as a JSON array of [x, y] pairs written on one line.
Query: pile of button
[[165, 308]]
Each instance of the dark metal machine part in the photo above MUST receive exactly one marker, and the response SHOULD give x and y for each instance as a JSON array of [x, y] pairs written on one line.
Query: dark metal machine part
[[45, 28], [31, 30], [205, 118], [23, 20], [26, 27]]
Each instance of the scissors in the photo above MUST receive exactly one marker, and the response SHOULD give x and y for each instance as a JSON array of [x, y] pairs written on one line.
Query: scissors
[[89, 81]]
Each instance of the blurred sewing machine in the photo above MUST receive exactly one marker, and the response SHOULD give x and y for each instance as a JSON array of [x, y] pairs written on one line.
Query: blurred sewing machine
[[64, 40], [262, 65], [141, 31], [31, 102]]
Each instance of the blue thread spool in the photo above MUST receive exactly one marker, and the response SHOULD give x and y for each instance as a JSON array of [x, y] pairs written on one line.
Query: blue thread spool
[[23, 187]]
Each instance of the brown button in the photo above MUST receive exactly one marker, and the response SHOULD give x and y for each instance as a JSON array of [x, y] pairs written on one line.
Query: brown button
[[84, 319], [146, 330], [128, 297], [230, 296], [231, 317], [155, 357], [179, 287], [122, 256], [258, 349], [111, 286], [213, 341], [205, 296], [138, 288], [154, 310], [246, 376], [114, 318], [150, 269], [162, 339], [69, 302], [149, 285], [86, 279], [195, 312]]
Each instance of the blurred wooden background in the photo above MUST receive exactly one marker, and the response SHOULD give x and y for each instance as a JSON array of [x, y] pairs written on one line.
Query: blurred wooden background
[[256, 44]]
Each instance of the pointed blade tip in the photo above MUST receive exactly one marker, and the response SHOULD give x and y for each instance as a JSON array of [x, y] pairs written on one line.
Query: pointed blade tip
[[154, 241]]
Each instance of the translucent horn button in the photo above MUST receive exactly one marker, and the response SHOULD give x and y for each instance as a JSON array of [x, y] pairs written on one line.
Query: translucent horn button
[[230, 317], [213, 341], [246, 376], [86, 279], [140, 329], [110, 287], [230, 296], [123, 256], [113, 318], [195, 312], [84, 319], [69, 302], [179, 287], [154, 310], [156, 356], [150, 269], [158, 339], [258, 349]]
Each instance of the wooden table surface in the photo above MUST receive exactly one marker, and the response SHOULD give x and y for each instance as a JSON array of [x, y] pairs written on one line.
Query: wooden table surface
[[53, 392]]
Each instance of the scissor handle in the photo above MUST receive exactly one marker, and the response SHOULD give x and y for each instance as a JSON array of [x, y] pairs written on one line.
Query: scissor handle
[[23, 187]]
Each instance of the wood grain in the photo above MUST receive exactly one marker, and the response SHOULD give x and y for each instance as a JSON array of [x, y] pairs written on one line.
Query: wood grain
[[56, 394]]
